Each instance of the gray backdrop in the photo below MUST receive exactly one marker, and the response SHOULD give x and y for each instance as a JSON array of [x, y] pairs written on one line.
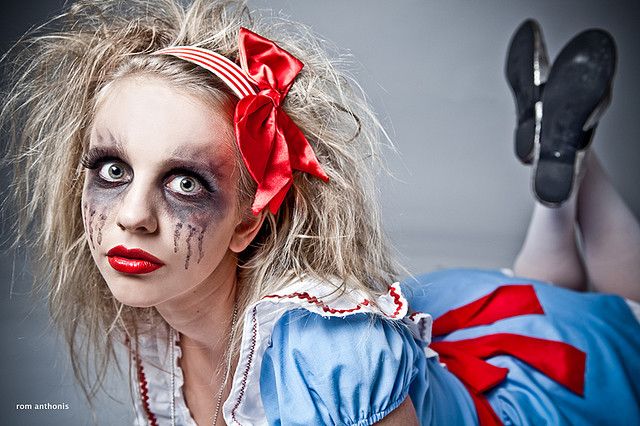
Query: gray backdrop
[[434, 72]]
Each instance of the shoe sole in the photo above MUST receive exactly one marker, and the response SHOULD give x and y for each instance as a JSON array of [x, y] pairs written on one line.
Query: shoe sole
[[579, 84], [527, 52]]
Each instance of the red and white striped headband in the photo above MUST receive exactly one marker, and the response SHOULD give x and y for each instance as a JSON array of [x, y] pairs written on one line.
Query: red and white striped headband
[[272, 146], [230, 73]]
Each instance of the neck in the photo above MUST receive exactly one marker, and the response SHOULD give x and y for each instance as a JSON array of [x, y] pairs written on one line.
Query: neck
[[203, 316]]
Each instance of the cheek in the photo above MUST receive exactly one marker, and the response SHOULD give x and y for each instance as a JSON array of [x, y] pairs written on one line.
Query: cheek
[[98, 205], [199, 231]]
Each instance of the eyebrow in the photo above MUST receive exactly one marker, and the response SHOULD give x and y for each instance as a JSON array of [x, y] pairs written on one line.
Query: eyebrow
[[183, 156], [113, 144], [201, 167], [200, 156]]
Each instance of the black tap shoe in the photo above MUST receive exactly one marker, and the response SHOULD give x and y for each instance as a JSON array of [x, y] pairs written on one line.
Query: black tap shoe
[[576, 94], [526, 70]]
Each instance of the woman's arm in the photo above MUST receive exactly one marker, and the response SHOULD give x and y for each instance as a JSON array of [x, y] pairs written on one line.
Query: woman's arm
[[404, 415]]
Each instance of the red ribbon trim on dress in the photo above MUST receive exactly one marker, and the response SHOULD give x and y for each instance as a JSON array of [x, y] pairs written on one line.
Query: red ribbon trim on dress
[[315, 301], [465, 358]]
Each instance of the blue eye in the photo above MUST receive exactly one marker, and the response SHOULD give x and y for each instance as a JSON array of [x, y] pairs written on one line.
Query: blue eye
[[185, 185], [112, 171]]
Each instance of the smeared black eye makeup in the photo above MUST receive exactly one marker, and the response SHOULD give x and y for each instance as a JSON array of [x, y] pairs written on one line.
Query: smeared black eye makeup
[[107, 168], [191, 176]]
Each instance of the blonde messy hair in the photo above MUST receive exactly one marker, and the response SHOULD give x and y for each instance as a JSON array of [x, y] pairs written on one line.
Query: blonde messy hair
[[327, 230]]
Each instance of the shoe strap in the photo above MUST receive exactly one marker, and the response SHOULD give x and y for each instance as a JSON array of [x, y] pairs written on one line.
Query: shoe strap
[[530, 110]]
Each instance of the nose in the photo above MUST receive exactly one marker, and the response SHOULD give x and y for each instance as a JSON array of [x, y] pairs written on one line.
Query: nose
[[137, 212]]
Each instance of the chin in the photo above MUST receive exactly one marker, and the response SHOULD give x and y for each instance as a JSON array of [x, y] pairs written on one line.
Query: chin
[[134, 303], [134, 292]]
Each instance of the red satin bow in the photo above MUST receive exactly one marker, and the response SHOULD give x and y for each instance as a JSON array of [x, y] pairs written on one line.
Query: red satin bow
[[465, 358], [271, 145]]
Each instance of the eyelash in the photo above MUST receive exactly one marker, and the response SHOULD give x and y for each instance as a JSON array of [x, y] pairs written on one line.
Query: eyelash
[[97, 157], [190, 173]]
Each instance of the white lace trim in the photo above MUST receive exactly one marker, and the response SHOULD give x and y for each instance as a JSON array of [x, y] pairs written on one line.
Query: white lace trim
[[244, 404], [155, 357]]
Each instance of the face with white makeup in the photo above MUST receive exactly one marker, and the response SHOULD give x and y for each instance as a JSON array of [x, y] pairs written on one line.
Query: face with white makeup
[[160, 197]]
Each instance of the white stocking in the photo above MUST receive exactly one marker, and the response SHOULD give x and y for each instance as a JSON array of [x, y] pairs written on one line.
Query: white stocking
[[549, 252], [610, 235]]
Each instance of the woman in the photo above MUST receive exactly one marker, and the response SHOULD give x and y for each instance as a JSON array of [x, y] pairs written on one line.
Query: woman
[[218, 221]]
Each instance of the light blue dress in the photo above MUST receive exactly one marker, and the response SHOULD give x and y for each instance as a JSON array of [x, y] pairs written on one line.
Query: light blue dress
[[355, 370]]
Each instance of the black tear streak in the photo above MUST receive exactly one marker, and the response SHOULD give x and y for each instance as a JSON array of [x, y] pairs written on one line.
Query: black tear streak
[[102, 220], [176, 236], [191, 232], [200, 238], [92, 213]]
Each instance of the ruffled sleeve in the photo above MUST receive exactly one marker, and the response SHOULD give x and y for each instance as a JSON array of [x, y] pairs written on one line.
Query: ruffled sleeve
[[351, 370]]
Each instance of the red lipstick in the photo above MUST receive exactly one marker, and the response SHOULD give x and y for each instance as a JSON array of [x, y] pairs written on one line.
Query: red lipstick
[[132, 261]]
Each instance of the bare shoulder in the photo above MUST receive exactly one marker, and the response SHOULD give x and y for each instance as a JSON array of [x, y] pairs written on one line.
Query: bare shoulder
[[404, 415]]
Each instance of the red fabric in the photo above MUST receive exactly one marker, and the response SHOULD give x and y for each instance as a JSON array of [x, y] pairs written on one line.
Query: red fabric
[[144, 394], [465, 358], [272, 146], [504, 302], [315, 301]]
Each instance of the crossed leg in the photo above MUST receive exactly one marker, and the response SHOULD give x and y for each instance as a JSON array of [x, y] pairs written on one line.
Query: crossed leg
[[550, 252], [610, 233]]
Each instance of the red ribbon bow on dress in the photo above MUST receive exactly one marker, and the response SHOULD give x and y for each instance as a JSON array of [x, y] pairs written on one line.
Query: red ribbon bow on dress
[[465, 358], [271, 144]]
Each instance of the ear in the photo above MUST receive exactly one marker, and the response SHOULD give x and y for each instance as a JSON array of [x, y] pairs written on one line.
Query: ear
[[246, 231]]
